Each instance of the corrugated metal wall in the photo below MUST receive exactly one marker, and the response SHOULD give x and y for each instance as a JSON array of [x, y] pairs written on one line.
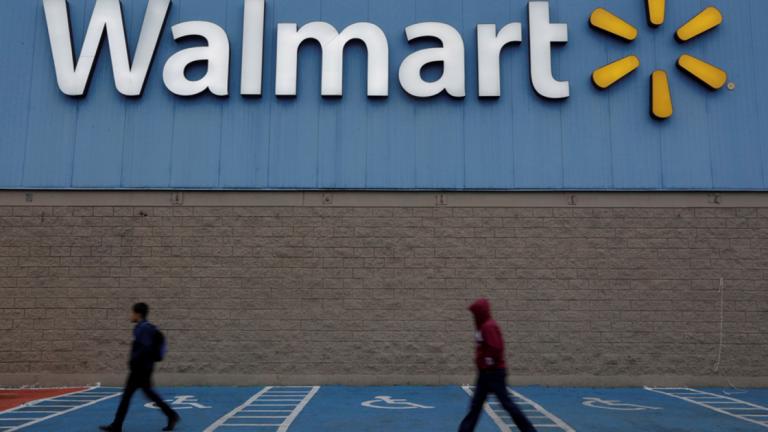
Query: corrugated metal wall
[[594, 140]]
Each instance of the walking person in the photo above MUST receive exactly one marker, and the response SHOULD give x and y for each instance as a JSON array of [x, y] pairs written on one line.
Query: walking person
[[492, 372], [147, 349]]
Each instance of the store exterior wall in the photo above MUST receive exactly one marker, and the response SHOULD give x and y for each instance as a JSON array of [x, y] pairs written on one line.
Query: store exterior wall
[[259, 229], [367, 287]]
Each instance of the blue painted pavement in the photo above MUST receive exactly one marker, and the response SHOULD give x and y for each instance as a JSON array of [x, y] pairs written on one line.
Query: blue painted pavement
[[142, 419], [412, 409], [341, 409]]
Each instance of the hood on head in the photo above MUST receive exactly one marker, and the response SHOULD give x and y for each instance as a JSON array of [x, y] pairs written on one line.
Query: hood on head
[[481, 309]]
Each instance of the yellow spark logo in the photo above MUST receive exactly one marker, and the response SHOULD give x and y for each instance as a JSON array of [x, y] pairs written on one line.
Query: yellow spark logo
[[661, 97]]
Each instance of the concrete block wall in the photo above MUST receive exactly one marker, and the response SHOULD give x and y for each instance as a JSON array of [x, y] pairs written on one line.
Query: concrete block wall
[[366, 288]]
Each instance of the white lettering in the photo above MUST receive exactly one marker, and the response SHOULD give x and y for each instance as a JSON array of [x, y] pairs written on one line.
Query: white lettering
[[216, 55], [543, 34], [107, 15], [73, 73], [451, 55], [289, 39], [489, 46], [253, 48]]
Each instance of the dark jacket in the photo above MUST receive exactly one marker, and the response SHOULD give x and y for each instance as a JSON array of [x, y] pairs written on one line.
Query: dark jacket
[[142, 358], [490, 343]]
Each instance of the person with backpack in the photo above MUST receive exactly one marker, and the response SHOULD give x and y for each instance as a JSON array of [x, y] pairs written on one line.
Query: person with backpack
[[492, 370], [148, 348]]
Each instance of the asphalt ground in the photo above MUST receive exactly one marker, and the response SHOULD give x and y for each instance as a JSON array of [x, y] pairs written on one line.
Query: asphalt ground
[[412, 409]]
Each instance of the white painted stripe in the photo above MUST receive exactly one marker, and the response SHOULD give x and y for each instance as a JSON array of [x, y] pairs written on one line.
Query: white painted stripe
[[37, 412], [676, 393], [63, 401], [269, 411], [283, 400], [287, 423], [519, 399], [44, 400], [78, 400], [51, 406], [220, 422], [54, 413], [259, 407], [297, 395]]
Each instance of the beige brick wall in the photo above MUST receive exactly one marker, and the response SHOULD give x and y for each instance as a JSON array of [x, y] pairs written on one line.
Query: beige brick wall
[[339, 293]]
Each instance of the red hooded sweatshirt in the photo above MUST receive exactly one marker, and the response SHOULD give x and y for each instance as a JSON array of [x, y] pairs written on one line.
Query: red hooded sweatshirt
[[490, 343]]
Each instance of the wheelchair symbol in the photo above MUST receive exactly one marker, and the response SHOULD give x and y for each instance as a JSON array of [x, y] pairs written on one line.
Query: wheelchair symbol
[[182, 402], [388, 402], [593, 402]]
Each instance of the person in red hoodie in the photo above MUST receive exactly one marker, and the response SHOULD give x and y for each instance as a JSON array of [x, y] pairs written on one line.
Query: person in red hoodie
[[492, 370]]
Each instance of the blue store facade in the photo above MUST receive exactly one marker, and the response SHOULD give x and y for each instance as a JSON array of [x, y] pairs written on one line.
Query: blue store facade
[[593, 140]]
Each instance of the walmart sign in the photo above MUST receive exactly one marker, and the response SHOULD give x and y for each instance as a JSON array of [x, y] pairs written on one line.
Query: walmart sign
[[395, 94], [130, 78]]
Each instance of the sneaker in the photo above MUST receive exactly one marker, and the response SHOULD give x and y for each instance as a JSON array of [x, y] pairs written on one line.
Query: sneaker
[[110, 428]]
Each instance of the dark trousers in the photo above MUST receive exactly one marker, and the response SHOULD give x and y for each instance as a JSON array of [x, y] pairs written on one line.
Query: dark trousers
[[493, 382], [139, 380]]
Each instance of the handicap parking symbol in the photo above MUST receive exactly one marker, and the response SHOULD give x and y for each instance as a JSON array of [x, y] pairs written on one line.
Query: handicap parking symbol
[[614, 405], [388, 402], [182, 402]]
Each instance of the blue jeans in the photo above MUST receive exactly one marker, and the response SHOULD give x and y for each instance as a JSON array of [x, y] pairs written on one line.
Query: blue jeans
[[494, 381], [139, 380]]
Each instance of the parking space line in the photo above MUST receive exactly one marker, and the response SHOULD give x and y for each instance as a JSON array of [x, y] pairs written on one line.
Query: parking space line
[[272, 409], [727, 405], [42, 410], [541, 418]]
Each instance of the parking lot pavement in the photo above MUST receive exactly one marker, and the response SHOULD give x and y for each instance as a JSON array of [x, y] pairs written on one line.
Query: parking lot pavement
[[413, 409]]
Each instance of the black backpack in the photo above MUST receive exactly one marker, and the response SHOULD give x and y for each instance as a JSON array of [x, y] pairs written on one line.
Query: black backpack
[[159, 346]]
